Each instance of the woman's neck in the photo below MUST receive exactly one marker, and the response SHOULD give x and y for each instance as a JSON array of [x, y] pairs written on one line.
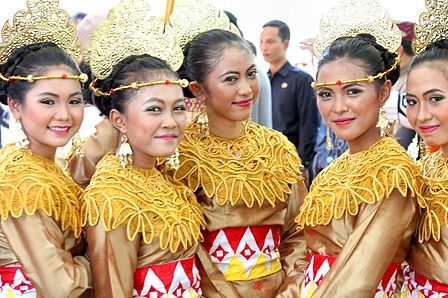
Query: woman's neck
[[226, 129]]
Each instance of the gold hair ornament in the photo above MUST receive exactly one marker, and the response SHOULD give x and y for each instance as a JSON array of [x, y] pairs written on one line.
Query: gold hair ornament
[[82, 77], [348, 18], [368, 79], [43, 21], [93, 86], [131, 21], [432, 25]]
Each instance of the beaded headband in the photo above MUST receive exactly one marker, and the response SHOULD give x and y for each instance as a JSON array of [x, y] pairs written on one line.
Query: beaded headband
[[93, 86], [348, 18], [82, 77], [432, 25], [368, 79], [43, 21]]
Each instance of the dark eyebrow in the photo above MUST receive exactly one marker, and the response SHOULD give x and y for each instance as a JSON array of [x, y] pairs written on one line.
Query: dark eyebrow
[[159, 100], [57, 95], [352, 85], [432, 91], [236, 72]]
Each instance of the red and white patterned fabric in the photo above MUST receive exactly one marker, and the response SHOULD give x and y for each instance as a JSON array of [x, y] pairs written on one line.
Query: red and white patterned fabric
[[319, 265], [245, 253], [418, 286], [14, 283], [175, 279]]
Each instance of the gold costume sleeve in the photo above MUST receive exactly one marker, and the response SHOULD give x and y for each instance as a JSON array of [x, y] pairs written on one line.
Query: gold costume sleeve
[[95, 147], [38, 243], [369, 250], [293, 253], [113, 259]]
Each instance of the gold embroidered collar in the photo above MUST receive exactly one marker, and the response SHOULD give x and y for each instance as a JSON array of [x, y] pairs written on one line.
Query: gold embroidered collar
[[29, 183], [259, 165], [364, 177], [435, 215], [145, 201]]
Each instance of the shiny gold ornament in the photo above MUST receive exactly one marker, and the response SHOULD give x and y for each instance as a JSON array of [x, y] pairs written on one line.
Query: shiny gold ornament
[[131, 29], [365, 177], [147, 202], [43, 21], [191, 17], [432, 25], [352, 17], [256, 168], [435, 216]]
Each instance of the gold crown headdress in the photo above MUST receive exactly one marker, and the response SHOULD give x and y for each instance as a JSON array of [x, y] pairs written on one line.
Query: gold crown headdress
[[352, 17], [42, 22], [191, 17], [130, 29], [432, 25]]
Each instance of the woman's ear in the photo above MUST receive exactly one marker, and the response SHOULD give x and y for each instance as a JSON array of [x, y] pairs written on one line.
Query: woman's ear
[[197, 90], [385, 92], [118, 120], [15, 108]]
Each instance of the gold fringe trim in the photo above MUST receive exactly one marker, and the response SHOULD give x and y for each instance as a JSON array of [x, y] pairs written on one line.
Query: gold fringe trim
[[29, 183], [259, 165], [435, 215], [145, 201], [365, 177]]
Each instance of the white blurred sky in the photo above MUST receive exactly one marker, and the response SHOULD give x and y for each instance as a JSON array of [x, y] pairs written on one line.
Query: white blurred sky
[[302, 16]]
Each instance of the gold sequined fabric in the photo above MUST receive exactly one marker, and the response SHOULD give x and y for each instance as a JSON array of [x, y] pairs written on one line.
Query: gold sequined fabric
[[43, 21], [432, 25], [29, 183], [365, 177], [435, 215], [145, 201], [259, 165]]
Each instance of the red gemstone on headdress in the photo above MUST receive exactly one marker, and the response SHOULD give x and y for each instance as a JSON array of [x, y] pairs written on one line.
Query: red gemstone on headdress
[[339, 83], [95, 84], [387, 72], [167, 82], [112, 91], [64, 76], [10, 79]]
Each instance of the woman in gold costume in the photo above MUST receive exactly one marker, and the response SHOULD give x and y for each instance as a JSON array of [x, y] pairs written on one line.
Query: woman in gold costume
[[143, 228], [40, 222], [427, 109], [246, 177], [361, 211]]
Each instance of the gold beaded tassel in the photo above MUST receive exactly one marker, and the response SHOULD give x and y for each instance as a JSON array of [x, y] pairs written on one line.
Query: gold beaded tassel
[[124, 152], [329, 143]]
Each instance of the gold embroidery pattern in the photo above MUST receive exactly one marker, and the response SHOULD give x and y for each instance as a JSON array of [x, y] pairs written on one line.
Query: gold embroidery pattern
[[365, 177], [145, 201], [29, 183], [435, 172], [259, 165]]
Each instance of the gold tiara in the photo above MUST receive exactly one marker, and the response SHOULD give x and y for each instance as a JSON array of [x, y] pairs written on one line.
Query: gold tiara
[[43, 21], [368, 79], [93, 86], [130, 29], [432, 25], [349, 18], [82, 77], [191, 17]]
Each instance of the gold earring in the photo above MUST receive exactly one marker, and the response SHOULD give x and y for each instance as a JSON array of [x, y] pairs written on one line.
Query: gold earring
[[124, 152], [77, 146], [172, 162], [203, 124], [22, 139], [383, 124], [329, 143]]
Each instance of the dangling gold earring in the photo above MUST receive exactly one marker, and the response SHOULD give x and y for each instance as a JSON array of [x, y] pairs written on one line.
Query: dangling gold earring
[[77, 144], [124, 152], [329, 143], [172, 162], [22, 139], [383, 124], [203, 123]]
